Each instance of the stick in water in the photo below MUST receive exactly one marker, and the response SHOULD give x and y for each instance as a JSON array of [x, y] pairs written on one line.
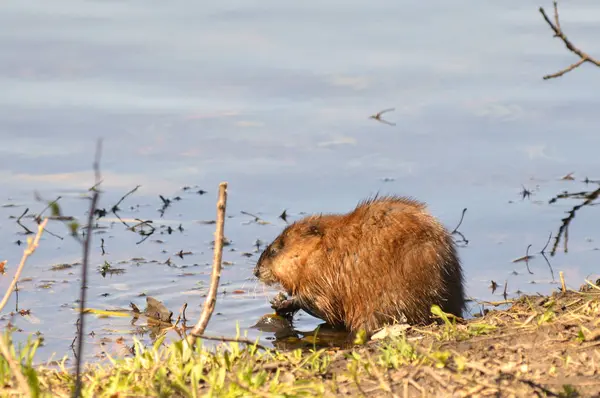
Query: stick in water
[[211, 299], [84, 268], [4, 350], [31, 246]]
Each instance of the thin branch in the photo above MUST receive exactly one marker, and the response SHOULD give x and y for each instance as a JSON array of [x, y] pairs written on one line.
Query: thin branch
[[377, 116], [145, 235], [50, 204], [55, 235], [75, 338], [565, 70], [584, 57], [211, 299], [257, 219], [543, 253], [527, 257], [181, 314], [564, 228], [549, 266], [27, 230], [456, 231], [120, 219], [115, 208], [84, 268], [31, 246], [547, 243], [15, 368], [462, 216]]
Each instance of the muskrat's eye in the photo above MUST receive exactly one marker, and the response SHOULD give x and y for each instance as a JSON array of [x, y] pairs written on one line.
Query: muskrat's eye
[[275, 247]]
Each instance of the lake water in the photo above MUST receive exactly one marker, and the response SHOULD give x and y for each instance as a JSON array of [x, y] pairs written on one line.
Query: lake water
[[275, 98]]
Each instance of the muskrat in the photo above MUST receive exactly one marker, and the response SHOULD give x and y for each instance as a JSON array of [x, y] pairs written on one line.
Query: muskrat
[[386, 261]]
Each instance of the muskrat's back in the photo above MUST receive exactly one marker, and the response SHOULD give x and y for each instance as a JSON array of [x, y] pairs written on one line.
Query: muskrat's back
[[388, 260]]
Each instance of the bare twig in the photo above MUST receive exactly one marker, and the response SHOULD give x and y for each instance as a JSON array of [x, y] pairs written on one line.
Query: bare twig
[[84, 268], [75, 338], [377, 117], [462, 216], [32, 244], [584, 57], [457, 232], [15, 368], [547, 243], [115, 208], [55, 235], [211, 299], [549, 266], [590, 197], [48, 205], [543, 253], [563, 285], [27, 230], [525, 258], [141, 223], [257, 219], [181, 315]]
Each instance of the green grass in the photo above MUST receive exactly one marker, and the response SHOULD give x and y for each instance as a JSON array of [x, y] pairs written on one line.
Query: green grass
[[234, 370], [383, 367], [230, 370]]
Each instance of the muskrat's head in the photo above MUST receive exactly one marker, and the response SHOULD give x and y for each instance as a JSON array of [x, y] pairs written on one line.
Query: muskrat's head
[[285, 260]]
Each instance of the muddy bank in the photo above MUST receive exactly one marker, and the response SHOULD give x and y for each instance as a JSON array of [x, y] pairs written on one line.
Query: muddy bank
[[540, 346]]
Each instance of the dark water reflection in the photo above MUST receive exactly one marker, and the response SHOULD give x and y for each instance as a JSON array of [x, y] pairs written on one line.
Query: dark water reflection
[[274, 98]]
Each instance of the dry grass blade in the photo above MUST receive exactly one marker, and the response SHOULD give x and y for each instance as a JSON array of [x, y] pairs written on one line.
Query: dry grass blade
[[15, 369], [592, 285]]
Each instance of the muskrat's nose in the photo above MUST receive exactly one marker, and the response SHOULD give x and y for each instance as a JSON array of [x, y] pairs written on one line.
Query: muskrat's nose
[[256, 271]]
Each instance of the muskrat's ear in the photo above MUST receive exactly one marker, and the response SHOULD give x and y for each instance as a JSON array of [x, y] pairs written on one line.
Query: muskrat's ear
[[314, 229]]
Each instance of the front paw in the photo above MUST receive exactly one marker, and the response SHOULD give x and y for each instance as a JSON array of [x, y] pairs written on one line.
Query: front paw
[[284, 306]]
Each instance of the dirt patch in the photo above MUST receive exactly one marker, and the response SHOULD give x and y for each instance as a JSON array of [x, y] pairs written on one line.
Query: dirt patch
[[541, 346]]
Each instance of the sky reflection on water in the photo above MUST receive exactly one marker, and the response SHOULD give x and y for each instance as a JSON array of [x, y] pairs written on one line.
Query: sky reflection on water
[[275, 98]]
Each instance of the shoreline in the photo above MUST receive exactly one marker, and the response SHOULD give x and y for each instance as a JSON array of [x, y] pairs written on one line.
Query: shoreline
[[540, 345]]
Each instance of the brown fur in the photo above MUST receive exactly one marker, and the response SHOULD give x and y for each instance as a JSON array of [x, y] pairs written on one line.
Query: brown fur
[[388, 260]]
